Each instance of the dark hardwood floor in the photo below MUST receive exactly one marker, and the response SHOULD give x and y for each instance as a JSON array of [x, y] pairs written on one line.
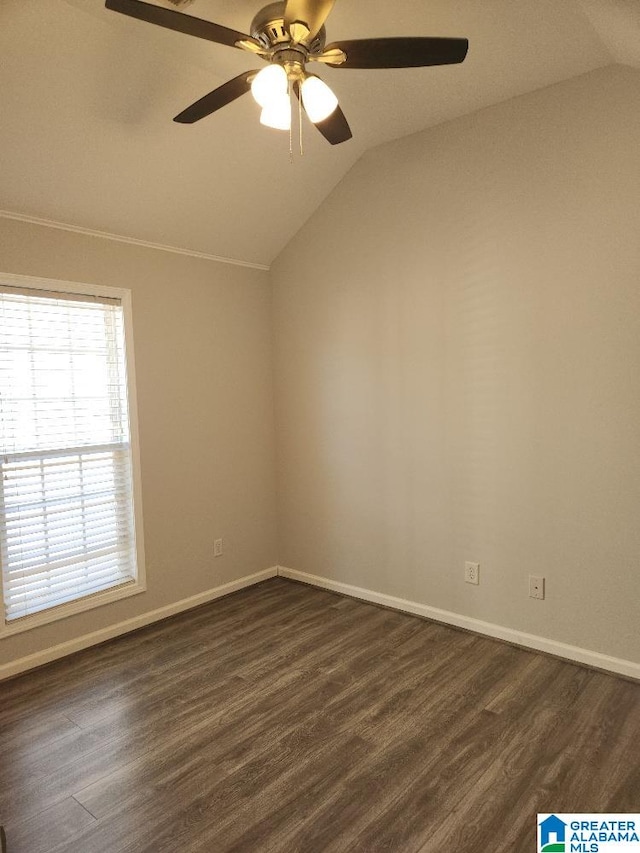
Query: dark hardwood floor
[[284, 718]]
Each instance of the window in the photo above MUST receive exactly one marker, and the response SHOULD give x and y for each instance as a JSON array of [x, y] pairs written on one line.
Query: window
[[70, 532]]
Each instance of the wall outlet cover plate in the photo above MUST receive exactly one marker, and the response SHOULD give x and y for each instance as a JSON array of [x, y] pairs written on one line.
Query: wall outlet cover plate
[[472, 573]]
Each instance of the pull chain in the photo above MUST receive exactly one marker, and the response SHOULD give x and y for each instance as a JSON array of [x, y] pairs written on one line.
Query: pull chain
[[290, 129], [300, 122]]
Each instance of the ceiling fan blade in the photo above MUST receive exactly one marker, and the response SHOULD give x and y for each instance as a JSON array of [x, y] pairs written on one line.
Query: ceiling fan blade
[[311, 13], [217, 99], [399, 52], [335, 128], [179, 22]]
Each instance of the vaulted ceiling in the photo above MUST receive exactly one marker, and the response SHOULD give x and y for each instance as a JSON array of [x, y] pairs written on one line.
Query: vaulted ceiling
[[87, 98]]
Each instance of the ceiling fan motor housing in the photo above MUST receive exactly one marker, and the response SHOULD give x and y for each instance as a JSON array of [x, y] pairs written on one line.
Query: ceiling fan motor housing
[[269, 29]]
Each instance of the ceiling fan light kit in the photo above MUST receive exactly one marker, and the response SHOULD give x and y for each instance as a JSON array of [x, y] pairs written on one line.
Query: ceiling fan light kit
[[317, 99], [277, 113], [287, 35], [269, 84]]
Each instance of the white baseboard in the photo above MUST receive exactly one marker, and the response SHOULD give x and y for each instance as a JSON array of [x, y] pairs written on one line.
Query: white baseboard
[[520, 638], [15, 667]]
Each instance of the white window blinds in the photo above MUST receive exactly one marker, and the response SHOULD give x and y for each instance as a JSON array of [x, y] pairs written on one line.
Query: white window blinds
[[67, 522]]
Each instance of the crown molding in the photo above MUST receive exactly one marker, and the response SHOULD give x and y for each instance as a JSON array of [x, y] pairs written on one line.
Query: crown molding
[[105, 235]]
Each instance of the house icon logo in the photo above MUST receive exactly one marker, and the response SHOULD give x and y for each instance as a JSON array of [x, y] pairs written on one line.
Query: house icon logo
[[552, 835]]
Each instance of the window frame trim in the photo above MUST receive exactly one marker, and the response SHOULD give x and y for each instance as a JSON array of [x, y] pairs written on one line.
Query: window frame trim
[[139, 585]]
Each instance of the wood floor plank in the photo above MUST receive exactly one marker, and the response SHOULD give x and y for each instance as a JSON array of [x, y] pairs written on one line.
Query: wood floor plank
[[36, 733], [52, 827], [251, 760], [533, 741], [440, 716], [588, 765], [268, 709], [98, 674], [286, 719], [162, 734], [291, 826]]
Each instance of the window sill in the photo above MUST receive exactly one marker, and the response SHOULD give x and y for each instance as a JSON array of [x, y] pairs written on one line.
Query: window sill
[[62, 611]]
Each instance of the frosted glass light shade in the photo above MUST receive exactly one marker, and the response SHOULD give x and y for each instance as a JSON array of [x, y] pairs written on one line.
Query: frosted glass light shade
[[269, 84], [318, 99], [277, 113]]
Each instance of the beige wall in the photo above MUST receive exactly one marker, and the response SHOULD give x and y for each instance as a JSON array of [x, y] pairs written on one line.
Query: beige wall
[[458, 367], [204, 377], [457, 338]]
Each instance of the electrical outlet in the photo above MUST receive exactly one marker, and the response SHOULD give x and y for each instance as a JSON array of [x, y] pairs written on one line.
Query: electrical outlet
[[472, 573], [536, 587], [217, 548]]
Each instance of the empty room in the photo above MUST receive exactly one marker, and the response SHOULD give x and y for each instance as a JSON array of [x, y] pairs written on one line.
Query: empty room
[[319, 426]]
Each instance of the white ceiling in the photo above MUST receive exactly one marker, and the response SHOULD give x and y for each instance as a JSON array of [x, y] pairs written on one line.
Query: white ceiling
[[87, 98]]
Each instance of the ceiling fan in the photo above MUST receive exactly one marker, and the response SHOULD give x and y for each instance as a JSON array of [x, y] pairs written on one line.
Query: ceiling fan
[[287, 35]]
